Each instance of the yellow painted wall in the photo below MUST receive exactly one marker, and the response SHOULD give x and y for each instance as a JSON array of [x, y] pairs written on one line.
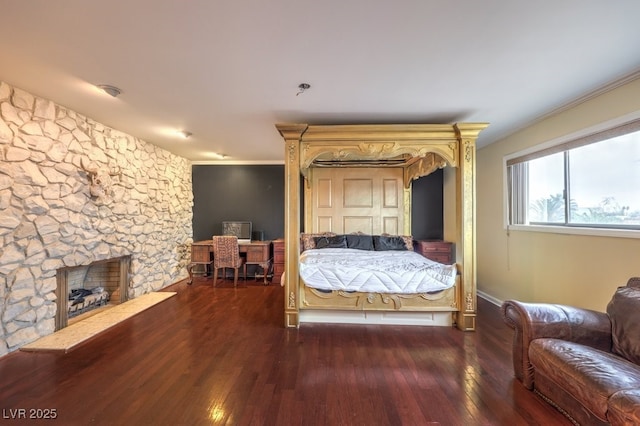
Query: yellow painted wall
[[576, 270]]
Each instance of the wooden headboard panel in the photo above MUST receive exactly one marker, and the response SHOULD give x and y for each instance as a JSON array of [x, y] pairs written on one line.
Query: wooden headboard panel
[[345, 200]]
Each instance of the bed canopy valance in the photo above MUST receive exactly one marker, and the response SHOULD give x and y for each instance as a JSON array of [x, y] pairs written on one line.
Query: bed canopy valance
[[418, 149]]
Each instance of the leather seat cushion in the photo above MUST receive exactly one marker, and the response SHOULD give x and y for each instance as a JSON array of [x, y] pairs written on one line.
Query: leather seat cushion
[[590, 375]]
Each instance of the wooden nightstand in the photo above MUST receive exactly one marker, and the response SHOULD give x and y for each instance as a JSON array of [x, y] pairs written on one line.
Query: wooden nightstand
[[436, 250]]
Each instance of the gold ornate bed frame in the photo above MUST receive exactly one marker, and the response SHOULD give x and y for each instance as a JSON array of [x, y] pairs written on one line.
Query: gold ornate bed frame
[[419, 149]]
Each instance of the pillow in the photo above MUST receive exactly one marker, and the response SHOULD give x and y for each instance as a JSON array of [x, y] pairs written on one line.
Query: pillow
[[307, 241], [623, 311], [408, 240], [360, 241], [387, 242], [336, 241]]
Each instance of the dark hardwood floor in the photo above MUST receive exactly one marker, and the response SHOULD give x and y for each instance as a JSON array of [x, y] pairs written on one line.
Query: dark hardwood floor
[[221, 356]]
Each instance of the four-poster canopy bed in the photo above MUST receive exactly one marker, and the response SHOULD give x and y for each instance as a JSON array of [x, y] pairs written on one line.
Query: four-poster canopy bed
[[357, 180]]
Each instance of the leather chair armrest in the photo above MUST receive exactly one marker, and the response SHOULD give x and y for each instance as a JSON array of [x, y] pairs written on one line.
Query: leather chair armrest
[[543, 320]]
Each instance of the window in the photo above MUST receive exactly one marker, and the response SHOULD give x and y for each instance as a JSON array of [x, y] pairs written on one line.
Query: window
[[592, 181]]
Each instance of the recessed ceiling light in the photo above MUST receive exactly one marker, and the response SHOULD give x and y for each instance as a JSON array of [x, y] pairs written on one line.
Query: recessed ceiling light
[[217, 155], [110, 90]]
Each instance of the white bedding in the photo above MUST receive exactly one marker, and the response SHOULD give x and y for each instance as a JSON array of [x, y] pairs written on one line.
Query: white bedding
[[392, 271]]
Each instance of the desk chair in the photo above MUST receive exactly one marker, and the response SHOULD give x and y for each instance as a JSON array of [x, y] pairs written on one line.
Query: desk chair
[[227, 255]]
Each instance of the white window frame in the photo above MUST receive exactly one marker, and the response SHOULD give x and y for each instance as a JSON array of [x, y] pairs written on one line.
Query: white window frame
[[582, 230]]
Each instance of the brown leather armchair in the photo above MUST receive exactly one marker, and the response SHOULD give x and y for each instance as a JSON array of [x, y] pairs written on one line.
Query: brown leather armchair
[[542, 320], [572, 357]]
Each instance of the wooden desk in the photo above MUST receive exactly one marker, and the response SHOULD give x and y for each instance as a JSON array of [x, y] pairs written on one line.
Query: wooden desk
[[257, 253], [278, 260]]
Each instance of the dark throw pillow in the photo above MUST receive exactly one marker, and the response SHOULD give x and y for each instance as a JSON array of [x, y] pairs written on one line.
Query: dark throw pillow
[[360, 242], [623, 311], [336, 241], [383, 242]]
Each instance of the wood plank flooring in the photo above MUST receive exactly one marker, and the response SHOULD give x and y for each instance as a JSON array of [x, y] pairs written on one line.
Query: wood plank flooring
[[222, 356]]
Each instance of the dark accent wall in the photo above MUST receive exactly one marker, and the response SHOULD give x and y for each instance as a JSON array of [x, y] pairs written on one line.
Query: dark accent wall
[[426, 207], [256, 193]]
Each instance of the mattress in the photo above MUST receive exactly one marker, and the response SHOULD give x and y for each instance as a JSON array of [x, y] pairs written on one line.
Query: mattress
[[403, 272]]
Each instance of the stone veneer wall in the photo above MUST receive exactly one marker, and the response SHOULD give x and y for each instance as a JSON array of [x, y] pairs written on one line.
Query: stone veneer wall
[[49, 219]]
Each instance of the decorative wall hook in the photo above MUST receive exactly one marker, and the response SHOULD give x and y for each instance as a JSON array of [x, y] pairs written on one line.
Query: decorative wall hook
[[101, 184]]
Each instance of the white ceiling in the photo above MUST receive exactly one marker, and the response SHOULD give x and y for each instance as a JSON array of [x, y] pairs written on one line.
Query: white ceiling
[[228, 70]]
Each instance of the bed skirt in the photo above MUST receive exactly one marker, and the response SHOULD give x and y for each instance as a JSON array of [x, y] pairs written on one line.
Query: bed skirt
[[432, 319]]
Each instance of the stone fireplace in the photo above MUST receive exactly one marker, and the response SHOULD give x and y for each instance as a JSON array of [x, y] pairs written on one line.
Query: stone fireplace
[[82, 290], [74, 192]]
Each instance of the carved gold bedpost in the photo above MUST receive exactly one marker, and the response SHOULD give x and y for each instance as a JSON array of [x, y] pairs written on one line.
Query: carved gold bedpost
[[466, 215], [292, 133]]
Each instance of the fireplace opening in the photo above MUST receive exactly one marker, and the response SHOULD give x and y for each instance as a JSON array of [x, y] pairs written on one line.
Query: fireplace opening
[[83, 291]]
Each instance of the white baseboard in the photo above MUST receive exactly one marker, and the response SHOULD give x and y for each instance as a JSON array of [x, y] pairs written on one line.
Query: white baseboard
[[489, 298], [439, 319]]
